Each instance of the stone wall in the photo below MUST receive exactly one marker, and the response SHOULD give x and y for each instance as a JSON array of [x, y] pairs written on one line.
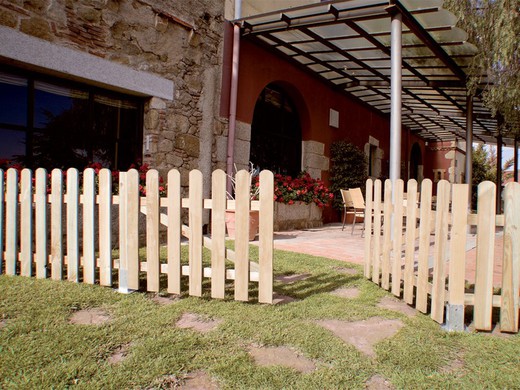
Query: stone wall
[[179, 40]]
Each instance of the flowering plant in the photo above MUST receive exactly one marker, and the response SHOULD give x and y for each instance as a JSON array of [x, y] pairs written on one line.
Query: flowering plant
[[302, 188]]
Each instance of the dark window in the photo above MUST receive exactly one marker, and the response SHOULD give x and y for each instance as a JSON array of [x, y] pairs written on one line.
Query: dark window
[[55, 124], [276, 139]]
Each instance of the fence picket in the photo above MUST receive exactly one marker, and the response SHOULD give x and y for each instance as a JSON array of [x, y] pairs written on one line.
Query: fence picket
[[174, 232], [133, 201], [89, 204], [26, 223], [56, 224], [105, 227], [387, 239], [42, 254], [2, 202], [11, 222], [195, 228], [397, 240], [421, 302], [265, 250], [376, 260], [242, 198], [368, 227], [73, 261], [485, 252], [152, 230], [218, 234], [440, 248], [411, 222], [511, 266]]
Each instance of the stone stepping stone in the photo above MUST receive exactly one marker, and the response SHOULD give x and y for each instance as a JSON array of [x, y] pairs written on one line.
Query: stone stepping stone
[[279, 299], [119, 354], [363, 334], [349, 292], [393, 304], [198, 380], [93, 316], [281, 356], [289, 279], [197, 323], [165, 300], [378, 382], [348, 271]]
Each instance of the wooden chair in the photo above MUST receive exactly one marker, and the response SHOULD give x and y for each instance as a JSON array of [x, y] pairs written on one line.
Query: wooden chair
[[358, 203], [350, 207]]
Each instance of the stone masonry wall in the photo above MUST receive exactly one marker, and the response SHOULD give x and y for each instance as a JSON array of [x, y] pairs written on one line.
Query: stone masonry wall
[[178, 40]]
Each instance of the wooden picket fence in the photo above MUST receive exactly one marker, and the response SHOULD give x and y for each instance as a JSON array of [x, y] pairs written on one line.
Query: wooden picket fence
[[40, 230], [419, 253]]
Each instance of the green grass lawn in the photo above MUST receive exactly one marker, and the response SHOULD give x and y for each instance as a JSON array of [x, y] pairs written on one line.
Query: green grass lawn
[[39, 348]]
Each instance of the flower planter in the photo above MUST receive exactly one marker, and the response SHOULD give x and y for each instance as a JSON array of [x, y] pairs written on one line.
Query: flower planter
[[254, 220], [298, 215]]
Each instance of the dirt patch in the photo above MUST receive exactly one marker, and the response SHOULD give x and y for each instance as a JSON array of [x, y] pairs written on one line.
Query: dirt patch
[[198, 380], [350, 293], [281, 356], [93, 316], [348, 271], [455, 367], [393, 304], [289, 279], [198, 323], [165, 300], [378, 382], [119, 354], [279, 299], [495, 332], [3, 324], [363, 334]]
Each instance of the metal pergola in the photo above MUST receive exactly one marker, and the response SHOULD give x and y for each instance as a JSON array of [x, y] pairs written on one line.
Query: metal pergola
[[403, 58]]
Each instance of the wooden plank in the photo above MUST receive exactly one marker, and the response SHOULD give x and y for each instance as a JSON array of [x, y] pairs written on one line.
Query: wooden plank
[[511, 259], [105, 227], [421, 302], [174, 232], [2, 213], [123, 233], [242, 236], [133, 202], [376, 258], [26, 223], [397, 238], [11, 222], [152, 230], [410, 236], [440, 251], [218, 234], [195, 224], [387, 237], [368, 227], [485, 252], [265, 283], [56, 224], [40, 201], [89, 204], [459, 227], [72, 199]]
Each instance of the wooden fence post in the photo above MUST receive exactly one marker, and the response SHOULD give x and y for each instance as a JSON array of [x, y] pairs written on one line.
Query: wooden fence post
[[195, 234], [456, 284], [421, 302], [485, 252], [72, 225], [152, 231], [105, 227], [89, 204], [397, 239], [11, 222], [387, 239], [56, 224], [376, 259], [242, 198], [265, 282], [2, 200], [511, 266], [42, 254], [174, 232], [411, 223], [218, 234], [26, 223], [369, 193]]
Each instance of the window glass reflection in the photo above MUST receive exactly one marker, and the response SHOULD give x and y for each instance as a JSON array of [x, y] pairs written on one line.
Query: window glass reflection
[[12, 145], [13, 100]]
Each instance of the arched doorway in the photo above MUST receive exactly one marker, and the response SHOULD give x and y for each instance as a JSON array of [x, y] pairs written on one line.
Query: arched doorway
[[276, 136], [416, 162]]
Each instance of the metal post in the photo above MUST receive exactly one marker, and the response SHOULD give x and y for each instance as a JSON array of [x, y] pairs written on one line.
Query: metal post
[[499, 173], [515, 168], [396, 98], [469, 143]]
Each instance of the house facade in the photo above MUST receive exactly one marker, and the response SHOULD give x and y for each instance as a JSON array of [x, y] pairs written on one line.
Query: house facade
[[128, 81]]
